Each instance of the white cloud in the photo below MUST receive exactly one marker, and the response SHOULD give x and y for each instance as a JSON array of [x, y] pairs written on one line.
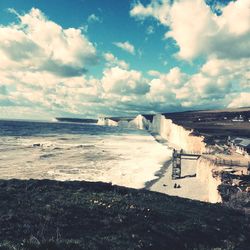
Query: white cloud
[[163, 88], [197, 30], [154, 73], [31, 113], [158, 9], [216, 84], [42, 72], [150, 30], [114, 61], [243, 100], [43, 66], [127, 46], [36, 43], [124, 82], [94, 19]]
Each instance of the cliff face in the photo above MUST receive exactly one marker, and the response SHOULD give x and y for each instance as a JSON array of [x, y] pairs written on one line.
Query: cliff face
[[139, 122], [205, 175], [106, 122], [177, 135]]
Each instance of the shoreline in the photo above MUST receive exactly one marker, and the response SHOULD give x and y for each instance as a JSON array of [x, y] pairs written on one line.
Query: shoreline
[[167, 163], [190, 186], [159, 174]]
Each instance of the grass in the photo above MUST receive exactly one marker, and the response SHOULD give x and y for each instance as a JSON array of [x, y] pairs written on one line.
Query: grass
[[82, 215]]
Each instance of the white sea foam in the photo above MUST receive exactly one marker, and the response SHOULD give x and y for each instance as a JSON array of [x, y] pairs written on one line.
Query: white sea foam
[[129, 159]]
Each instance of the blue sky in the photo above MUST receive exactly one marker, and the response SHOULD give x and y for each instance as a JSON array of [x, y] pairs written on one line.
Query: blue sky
[[90, 58]]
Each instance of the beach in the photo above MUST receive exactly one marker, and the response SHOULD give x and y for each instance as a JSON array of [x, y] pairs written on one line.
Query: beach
[[190, 186]]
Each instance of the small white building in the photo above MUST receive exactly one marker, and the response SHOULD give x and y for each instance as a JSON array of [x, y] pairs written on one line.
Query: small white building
[[238, 119]]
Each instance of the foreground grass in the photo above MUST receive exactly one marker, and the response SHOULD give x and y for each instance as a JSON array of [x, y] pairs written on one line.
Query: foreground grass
[[81, 215]]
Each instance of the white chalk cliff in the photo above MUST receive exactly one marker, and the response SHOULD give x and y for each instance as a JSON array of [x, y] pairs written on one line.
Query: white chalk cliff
[[106, 122], [205, 175], [177, 135], [139, 122]]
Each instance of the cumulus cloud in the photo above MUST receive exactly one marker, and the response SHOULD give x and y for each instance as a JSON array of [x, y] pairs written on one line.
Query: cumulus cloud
[[243, 100], [126, 46], [40, 44], [224, 39], [124, 82], [164, 86], [43, 71], [43, 65], [217, 83], [158, 9], [197, 30], [111, 61]]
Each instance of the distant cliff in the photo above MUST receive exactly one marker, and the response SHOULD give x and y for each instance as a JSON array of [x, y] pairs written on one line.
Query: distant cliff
[[76, 120], [175, 134], [106, 122], [138, 122]]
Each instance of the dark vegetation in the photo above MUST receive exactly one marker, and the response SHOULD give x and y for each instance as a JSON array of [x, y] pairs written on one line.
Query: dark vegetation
[[82, 215], [229, 192], [239, 201]]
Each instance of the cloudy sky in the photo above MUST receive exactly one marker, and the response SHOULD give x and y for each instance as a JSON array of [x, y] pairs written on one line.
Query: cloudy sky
[[86, 58]]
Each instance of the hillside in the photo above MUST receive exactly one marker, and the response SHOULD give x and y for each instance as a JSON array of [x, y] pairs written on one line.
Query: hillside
[[81, 215], [214, 123]]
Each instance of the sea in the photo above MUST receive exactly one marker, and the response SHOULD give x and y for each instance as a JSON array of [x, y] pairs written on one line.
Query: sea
[[72, 151]]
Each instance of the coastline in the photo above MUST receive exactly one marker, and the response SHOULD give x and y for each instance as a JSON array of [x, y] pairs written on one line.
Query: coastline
[[159, 174], [190, 186]]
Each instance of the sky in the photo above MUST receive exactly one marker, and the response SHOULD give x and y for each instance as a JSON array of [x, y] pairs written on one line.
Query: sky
[[92, 58]]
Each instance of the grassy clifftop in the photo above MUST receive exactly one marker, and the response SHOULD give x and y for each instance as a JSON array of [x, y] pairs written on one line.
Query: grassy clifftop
[[81, 215]]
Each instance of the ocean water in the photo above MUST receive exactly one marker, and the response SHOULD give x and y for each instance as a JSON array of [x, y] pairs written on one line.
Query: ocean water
[[70, 151]]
